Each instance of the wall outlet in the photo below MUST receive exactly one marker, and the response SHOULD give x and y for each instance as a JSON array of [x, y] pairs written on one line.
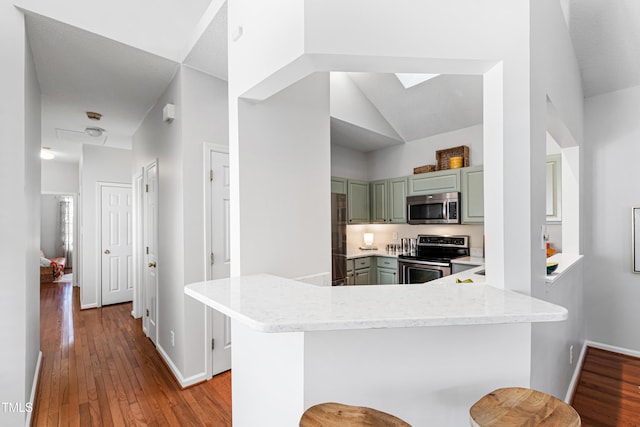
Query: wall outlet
[[394, 235], [570, 355], [172, 338]]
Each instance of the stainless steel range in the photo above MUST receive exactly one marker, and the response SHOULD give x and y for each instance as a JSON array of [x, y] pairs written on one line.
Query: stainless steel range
[[432, 259]]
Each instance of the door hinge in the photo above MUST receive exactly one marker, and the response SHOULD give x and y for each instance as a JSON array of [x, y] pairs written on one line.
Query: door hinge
[[213, 344], [211, 175], [147, 250], [212, 259], [146, 188], [147, 312]]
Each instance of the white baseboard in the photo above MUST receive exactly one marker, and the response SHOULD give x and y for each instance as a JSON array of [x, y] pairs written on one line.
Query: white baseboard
[[613, 348], [87, 306], [576, 373], [34, 387], [184, 382]]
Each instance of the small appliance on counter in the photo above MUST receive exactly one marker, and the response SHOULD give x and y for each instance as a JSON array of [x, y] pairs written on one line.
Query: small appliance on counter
[[432, 258]]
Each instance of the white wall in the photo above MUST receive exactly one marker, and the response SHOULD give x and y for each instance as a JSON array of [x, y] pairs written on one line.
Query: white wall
[[349, 163], [400, 160], [284, 182], [551, 367], [160, 140], [98, 164], [19, 225], [201, 116], [60, 177], [612, 132], [205, 119], [49, 225]]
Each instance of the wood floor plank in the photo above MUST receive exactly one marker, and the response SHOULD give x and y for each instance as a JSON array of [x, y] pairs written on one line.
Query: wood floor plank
[[99, 369], [608, 390]]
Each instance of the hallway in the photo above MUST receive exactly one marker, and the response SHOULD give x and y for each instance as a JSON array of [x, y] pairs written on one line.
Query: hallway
[[99, 369]]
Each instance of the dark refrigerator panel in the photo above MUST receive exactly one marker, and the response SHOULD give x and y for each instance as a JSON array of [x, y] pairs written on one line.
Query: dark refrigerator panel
[[338, 239]]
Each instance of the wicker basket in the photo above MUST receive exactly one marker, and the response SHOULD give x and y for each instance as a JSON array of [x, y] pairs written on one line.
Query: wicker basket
[[443, 156], [424, 169]]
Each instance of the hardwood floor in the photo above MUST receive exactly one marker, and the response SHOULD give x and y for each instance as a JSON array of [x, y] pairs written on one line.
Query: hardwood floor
[[99, 369], [608, 391]]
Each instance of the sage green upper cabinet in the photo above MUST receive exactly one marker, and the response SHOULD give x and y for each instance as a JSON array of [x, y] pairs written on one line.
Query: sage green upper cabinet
[[358, 201], [554, 188], [397, 200], [472, 194], [435, 182], [379, 201], [338, 185], [388, 201]]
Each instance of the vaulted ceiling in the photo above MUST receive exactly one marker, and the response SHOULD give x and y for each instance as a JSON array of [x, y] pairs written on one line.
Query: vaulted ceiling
[[119, 59]]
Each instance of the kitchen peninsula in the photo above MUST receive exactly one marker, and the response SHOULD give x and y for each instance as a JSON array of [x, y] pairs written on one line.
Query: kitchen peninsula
[[424, 353]]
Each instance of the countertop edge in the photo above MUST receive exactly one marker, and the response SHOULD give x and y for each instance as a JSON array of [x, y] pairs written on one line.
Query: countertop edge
[[551, 315]]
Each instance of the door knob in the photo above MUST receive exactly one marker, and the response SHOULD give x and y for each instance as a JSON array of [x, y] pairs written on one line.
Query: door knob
[[107, 251], [152, 264]]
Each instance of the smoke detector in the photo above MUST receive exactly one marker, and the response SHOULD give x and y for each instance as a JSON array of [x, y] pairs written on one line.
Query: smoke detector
[[94, 116]]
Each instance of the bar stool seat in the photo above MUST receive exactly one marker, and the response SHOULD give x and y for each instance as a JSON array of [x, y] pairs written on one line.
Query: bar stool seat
[[508, 407], [338, 415]]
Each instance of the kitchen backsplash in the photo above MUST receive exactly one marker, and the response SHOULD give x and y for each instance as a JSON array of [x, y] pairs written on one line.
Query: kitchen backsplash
[[384, 233]]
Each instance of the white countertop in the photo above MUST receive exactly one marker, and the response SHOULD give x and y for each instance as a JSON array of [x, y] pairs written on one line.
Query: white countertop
[[273, 304], [354, 252], [565, 263], [468, 260]]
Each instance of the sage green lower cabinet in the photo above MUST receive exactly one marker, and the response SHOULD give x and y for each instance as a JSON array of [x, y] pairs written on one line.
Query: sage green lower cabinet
[[445, 181], [338, 185], [349, 280], [386, 271], [358, 202], [362, 271], [472, 194]]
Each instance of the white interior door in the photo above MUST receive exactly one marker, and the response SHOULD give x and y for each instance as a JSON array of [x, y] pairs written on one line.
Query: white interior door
[[220, 258], [117, 244], [151, 251]]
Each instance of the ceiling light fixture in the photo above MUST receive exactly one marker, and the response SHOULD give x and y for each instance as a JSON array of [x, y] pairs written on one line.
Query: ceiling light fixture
[[94, 116], [46, 153], [94, 132]]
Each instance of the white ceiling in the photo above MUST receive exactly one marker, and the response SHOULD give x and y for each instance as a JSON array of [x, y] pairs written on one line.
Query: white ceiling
[[210, 53], [118, 57], [80, 71], [438, 105], [606, 39]]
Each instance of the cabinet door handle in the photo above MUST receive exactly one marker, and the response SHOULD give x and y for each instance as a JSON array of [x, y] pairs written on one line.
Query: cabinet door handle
[[152, 265], [107, 251]]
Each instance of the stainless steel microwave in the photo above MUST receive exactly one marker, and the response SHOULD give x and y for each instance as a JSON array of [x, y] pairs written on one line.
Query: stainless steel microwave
[[441, 208]]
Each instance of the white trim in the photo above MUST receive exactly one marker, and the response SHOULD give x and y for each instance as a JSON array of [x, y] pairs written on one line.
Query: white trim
[[138, 243], [576, 374], [98, 231], [184, 382], [613, 348], [86, 306], [145, 258], [207, 149], [34, 387]]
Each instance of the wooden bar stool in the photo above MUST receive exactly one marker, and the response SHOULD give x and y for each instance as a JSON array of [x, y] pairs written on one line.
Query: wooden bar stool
[[508, 407], [339, 415]]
